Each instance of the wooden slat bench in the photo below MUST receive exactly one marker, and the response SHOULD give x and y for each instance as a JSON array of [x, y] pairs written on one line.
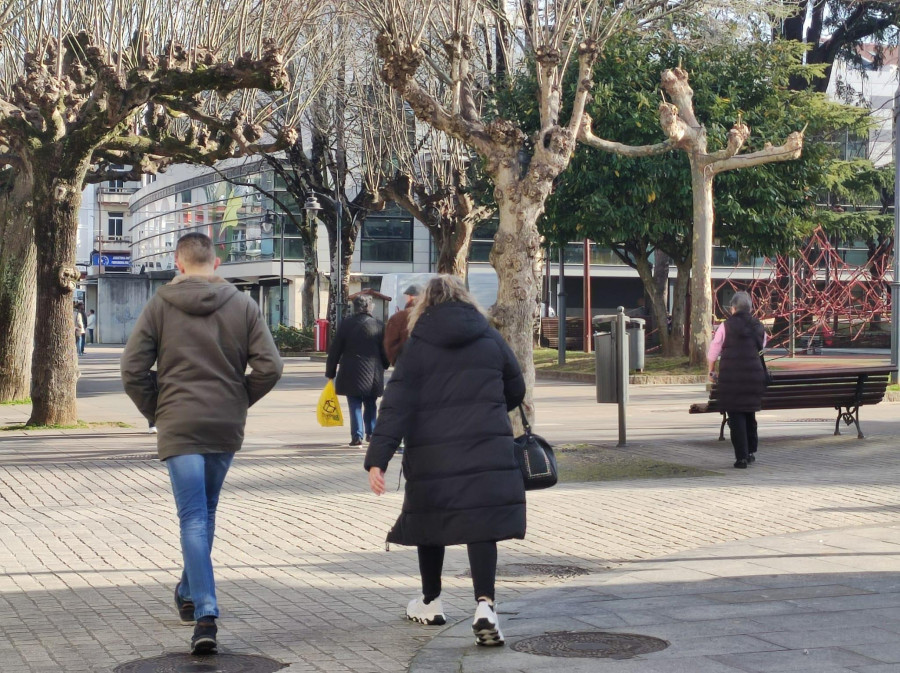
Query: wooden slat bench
[[845, 389]]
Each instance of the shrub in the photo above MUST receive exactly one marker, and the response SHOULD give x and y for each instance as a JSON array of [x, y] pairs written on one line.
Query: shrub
[[293, 339]]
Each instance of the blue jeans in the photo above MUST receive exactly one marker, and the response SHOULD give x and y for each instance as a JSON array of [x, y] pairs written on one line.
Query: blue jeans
[[196, 483], [358, 421], [79, 344]]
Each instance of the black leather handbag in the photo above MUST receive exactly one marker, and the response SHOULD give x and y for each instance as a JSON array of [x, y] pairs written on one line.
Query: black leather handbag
[[536, 459]]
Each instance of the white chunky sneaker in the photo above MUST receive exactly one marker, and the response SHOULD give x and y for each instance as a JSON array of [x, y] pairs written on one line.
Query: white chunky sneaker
[[431, 614], [486, 625]]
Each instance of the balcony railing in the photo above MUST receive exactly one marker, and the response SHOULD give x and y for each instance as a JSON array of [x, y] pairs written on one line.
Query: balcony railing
[[113, 240], [106, 189]]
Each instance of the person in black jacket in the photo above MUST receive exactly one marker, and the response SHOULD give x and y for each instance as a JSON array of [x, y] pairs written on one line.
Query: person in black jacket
[[449, 398], [358, 359], [742, 379]]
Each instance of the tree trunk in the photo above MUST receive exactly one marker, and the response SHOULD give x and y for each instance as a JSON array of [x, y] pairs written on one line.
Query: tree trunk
[[516, 257], [55, 366], [679, 306], [701, 264], [308, 298], [657, 302], [308, 292], [17, 295], [347, 259], [661, 263], [453, 240]]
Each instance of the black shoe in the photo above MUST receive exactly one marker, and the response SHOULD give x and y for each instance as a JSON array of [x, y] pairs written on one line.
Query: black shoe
[[204, 640], [355, 442], [368, 438], [751, 458], [185, 608], [741, 464]]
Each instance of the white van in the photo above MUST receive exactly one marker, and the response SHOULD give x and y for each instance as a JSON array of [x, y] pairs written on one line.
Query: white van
[[482, 285], [393, 285]]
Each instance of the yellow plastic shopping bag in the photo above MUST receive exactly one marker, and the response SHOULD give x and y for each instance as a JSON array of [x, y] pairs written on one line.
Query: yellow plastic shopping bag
[[329, 409]]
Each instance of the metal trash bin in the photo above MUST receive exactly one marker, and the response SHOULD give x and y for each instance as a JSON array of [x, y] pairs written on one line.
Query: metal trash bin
[[637, 331]]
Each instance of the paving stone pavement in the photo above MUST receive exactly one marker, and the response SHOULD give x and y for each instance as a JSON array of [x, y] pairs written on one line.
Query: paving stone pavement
[[89, 548]]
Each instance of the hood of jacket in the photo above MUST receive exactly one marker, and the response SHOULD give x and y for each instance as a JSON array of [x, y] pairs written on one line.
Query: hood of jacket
[[450, 325], [198, 295]]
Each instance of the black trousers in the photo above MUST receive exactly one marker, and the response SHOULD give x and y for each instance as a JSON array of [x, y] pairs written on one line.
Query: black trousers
[[482, 563], [743, 433]]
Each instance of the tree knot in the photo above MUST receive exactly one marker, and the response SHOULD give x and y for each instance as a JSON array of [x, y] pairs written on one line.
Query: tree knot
[[400, 62], [68, 277], [588, 47], [547, 56], [506, 133]]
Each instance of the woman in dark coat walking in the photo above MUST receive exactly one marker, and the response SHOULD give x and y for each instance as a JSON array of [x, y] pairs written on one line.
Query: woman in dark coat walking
[[449, 398], [742, 379], [358, 359]]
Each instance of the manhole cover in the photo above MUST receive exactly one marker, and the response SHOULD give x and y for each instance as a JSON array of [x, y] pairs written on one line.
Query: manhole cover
[[526, 572], [215, 663], [598, 644]]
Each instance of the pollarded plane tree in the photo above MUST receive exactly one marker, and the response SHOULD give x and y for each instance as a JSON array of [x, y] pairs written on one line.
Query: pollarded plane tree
[[327, 155], [423, 170], [302, 162], [89, 84], [684, 132], [551, 34]]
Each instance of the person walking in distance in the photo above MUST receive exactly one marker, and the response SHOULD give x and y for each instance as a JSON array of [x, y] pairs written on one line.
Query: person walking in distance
[[449, 397], [356, 360], [78, 317], [741, 379], [91, 325], [202, 333], [396, 331]]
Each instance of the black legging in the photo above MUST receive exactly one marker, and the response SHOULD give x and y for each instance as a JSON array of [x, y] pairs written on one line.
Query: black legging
[[482, 563], [744, 437]]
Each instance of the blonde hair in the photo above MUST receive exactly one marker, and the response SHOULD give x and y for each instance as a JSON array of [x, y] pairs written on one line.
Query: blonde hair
[[441, 290]]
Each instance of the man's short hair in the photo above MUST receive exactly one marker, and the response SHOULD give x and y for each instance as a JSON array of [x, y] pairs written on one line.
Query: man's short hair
[[195, 249]]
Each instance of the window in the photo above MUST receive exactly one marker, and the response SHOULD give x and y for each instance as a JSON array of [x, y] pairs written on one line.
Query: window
[[387, 237], [116, 185], [115, 224]]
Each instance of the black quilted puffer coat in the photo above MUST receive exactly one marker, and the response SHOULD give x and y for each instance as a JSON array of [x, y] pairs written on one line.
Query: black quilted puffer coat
[[357, 357], [449, 397], [742, 381]]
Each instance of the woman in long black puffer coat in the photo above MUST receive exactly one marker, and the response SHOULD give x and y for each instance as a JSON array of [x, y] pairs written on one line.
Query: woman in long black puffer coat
[[742, 379], [449, 398]]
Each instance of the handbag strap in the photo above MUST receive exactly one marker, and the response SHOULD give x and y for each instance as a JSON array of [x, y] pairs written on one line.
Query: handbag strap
[[525, 423]]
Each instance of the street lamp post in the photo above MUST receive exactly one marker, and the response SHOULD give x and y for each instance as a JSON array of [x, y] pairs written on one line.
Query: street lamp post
[[312, 204], [272, 217]]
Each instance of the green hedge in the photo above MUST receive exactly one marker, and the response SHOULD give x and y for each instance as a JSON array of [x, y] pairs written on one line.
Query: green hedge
[[293, 339]]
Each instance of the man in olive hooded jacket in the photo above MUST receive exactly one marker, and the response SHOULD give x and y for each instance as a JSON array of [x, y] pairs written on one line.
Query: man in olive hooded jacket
[[201, 333]]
